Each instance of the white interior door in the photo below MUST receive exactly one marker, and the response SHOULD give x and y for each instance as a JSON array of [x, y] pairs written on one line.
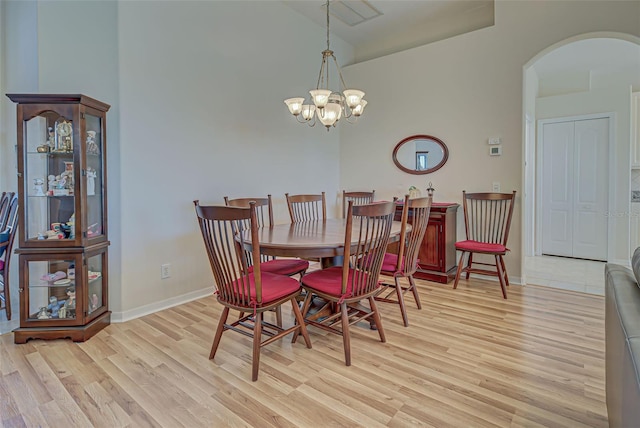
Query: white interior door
[[591, 171], [574, 188], [557, 188]]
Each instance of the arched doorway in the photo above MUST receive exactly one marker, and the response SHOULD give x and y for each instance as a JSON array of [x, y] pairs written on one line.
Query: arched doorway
[[581, 76]]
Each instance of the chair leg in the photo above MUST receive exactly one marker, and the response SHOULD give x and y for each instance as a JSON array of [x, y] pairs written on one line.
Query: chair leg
[[278, 311], [414, 289], [305, 309], [257, 337], [346, 338], [504, 269], [469, 265], [459, 271], [400, 294], [219, 331], [377, 319], [300, 321], [501, 277], [7, 297]]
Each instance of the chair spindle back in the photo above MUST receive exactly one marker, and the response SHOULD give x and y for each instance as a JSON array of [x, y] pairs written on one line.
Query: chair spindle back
[[415, 211], [224, 233], [358, 198], [487, 216], [306, 207], [372, 225]]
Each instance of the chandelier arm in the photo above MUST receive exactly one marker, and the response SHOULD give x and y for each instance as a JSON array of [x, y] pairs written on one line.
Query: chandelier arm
[[323, 67], [335, 61], [349, 117]]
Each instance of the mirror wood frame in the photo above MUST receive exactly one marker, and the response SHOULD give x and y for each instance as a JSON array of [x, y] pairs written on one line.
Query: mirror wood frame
[[421, 137]]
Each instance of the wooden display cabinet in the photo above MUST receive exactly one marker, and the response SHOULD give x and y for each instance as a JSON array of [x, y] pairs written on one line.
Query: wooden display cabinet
[[437, 256], [62, 188]]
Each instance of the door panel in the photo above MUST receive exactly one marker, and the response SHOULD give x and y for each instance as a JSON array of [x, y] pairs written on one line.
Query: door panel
[[574, 188], [591, 164], [557, 182]]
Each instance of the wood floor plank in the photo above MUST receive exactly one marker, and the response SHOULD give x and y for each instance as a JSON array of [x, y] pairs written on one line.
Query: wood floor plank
[[468, 358]]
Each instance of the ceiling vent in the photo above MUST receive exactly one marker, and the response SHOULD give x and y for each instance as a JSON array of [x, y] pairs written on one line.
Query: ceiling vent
[[353, 12]]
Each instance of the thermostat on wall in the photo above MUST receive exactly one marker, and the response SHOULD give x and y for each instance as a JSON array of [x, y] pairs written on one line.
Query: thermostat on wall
[[495, 150]]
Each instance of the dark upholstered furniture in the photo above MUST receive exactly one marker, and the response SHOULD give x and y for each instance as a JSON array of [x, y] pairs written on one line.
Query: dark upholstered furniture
[[622, 334]]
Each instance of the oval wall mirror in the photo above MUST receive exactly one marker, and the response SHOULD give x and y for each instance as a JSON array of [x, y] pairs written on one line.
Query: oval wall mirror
[[420, 154]]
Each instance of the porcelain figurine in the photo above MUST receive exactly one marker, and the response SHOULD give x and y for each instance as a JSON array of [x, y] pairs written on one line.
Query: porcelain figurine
[[38, 187]]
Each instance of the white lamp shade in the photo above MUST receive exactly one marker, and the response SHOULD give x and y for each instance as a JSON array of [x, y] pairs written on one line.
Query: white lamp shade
[[353, 97], [320, 97], [330, 114], [295, 105], [307, 111], [357, 110]]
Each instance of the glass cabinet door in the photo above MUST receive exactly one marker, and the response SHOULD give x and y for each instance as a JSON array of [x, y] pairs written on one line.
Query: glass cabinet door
[[94, 174], [96, 298], [50, 179], [51, 290]]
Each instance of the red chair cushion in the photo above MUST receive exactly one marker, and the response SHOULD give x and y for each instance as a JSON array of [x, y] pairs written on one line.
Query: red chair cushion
[[481, 247], [328, 281], [390, 262], [283, 266], [274, 287]]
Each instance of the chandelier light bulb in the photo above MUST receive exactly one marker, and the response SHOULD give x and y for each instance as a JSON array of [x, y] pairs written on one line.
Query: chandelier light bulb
[[320, 97], [357, 110], [307, 111], [295, 105], [330, 114], [353, 97]]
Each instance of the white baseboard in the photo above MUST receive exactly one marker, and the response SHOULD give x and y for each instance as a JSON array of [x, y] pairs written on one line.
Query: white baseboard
[[117, 317]]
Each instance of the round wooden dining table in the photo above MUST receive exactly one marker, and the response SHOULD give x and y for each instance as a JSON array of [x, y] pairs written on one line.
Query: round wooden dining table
[[321, 239]]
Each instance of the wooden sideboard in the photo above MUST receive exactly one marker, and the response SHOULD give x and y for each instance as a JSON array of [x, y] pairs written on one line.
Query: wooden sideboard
[[438, 253]]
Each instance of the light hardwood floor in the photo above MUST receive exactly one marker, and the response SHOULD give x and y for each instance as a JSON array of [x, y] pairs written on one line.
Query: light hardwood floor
[[468, 359]]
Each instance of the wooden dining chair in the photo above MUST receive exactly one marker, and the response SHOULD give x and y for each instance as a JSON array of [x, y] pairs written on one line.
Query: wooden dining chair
[[286, 266], [306, 207], [404, 264], [252, 292], [358, 198], [487, 220], [264, 213], [367, 232], [8, 229]]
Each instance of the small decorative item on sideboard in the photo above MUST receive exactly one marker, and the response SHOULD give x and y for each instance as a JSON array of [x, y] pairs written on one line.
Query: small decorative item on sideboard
[[430, 189], [414, 192]]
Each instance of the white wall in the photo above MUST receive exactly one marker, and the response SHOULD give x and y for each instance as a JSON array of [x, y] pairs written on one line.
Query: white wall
[[202, 86], [464, 90], [196, 90], [18, 73]]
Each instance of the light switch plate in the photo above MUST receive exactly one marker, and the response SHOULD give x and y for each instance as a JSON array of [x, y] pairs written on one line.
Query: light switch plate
[[494, 140]]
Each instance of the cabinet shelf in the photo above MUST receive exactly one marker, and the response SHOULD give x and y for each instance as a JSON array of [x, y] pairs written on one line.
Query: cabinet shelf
[[69, 284]]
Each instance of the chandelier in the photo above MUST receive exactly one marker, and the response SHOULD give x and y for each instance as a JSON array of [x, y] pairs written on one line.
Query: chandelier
[[328, 106]]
